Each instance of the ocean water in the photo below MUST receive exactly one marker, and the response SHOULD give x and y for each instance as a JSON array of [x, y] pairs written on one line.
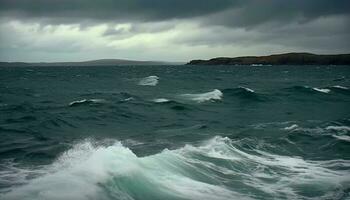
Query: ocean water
[[175, 132]]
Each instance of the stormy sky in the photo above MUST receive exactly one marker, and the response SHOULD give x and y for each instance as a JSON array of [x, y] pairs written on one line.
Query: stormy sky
[[169, 30]]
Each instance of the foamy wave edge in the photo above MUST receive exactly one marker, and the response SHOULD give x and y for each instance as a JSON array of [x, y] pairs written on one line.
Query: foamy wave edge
[[172, 173]]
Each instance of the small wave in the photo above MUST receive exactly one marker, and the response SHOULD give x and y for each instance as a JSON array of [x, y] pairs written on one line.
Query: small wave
[[340, 78], [308, 89], [338, 128], [86, 101], [247, 89], [149, 81], [172, 104], [292, 127], [323, 90], [239, 89], [246, 94], [342, 137], [100, 172], [202, 97], [161, 100], [271, 124], [340, 87], [128, 99]]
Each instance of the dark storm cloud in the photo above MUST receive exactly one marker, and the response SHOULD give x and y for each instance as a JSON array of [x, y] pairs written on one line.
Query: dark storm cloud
[[110, 10], [257, 12], [239, 13], [51, 30]]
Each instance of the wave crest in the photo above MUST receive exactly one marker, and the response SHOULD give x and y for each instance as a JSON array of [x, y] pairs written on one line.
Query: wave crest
[[86, 101], [161, 100], [186, 173], [202, 97], [149, 81], [323, 90]]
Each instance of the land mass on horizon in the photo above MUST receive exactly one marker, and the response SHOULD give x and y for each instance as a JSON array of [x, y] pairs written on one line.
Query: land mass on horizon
[[278, 59], [100, 62]]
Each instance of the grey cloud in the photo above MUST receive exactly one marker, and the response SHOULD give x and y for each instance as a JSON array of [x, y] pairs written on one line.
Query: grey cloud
[[114, 30], [237, 13], [324, 35], [66, 11], [279, 12], [250, 26], [111, 31]]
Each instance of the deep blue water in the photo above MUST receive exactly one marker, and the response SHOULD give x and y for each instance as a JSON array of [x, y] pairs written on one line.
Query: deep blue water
[[175, 132]]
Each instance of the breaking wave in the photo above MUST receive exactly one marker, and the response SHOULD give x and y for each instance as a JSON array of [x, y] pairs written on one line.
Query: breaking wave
[[160, 100], [202, 97], [323, 90], [149, 81], [246, 94], [86, 101], [206, 171], [247, 89], [340, 87]]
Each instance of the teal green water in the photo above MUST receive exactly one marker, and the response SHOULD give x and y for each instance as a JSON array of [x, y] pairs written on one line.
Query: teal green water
[[175, 132]]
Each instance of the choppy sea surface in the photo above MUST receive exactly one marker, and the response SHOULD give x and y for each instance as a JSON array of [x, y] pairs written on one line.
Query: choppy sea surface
[[175, 132]]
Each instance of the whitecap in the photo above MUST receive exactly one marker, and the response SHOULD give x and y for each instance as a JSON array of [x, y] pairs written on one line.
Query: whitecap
[[342, 137], [149, 81], [247, 89], [338, 128], [340, 87], [323, 90], [77, 102], [81, 171], [128, 99], [90, 171], [202, 97], [97, 100], [160, 100], [292, 127], [82, 101]]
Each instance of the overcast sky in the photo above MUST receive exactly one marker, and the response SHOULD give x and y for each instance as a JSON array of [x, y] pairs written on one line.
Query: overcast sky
[[169, 30]]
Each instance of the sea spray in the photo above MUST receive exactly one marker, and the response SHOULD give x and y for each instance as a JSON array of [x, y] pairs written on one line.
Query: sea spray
[[149, 81], [202, 97], [190, 172]]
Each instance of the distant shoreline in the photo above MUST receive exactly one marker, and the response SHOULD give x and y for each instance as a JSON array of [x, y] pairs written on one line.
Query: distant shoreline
[[278, 59], [101, 62]]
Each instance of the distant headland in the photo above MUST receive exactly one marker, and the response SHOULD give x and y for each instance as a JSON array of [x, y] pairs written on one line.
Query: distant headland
[[278, 59], [101, 62]]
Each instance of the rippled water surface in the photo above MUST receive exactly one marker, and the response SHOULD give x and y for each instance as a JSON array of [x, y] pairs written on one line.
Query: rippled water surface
[[175, 132]]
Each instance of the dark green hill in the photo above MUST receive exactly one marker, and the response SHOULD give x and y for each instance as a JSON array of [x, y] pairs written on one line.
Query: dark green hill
[[280, 59]]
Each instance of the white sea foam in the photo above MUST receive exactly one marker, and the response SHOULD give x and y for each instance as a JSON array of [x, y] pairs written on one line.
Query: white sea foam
[[340, 87], [80, 172], [323, 90], [292, 127], [128, 99], [88, 171], [338, 128], [342, 137], [202, 97], [77, 102], [86, 101], [247, 89], [149, 81], [160, 100]]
